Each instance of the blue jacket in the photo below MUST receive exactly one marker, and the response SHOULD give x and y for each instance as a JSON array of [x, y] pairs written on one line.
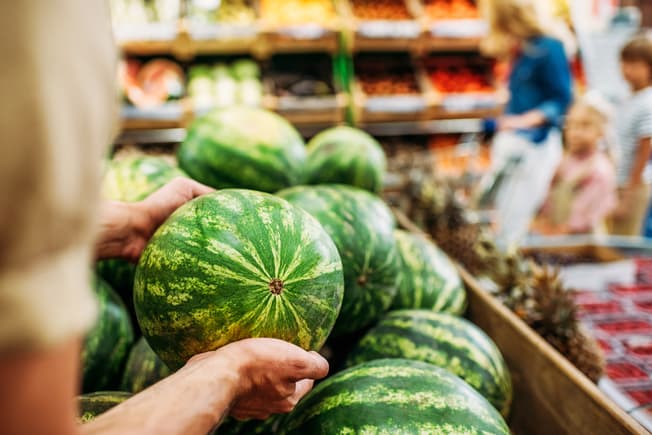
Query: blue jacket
[[541, 79]]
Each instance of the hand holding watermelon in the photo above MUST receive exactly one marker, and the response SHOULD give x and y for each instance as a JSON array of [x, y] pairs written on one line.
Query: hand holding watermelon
[[251, 378], [125, 228], [274, 375]]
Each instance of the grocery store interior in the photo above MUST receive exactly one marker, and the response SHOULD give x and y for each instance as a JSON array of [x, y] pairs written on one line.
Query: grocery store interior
[[464, 184]]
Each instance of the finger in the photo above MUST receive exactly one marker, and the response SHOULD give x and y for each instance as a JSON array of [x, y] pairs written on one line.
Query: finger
[[308, 365], [192, 187], [303, 387]]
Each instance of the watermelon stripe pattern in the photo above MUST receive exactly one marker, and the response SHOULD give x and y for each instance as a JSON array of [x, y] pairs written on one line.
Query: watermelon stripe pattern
[[144, 368], [243, 147], [107, 344], [445, 341], [429, 279], [361, 225], [394, 396], [237, 264], [346, 155], [93, 404]]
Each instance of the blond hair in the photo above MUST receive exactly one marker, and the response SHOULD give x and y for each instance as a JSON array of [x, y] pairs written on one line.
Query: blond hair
[[520, 20], [603, 110]]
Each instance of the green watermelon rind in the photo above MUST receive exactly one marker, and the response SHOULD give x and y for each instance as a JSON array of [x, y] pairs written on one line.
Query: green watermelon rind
[[346, 155], [107, 344], [361, 225], [446, 341], [94, 404], [393, 396], [143, 368], [246, 148], [429, 278], [205, 278]]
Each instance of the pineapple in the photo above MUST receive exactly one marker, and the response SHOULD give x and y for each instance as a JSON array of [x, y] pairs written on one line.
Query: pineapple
[[537, 295]]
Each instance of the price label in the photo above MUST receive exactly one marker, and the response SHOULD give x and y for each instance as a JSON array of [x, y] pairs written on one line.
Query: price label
[[389, 29], [170, 111], [303, 31], [204, 31], [307, 103], [145, 32], [459, 28], [396, 104], [468, 102]]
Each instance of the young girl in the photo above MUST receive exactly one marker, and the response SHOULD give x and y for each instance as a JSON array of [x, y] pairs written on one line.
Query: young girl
[[583, 190]]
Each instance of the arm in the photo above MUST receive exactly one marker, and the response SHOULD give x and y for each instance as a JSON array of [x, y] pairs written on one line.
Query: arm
[[555, 77], [250, 379], [640, 161]]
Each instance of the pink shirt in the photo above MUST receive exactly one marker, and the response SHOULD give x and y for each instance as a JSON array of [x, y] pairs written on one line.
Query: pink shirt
[[583, 192]]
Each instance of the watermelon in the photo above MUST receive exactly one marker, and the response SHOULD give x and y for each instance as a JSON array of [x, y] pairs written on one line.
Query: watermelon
[[243, 147], [231, 426], [429, 278], [346, 155], [236, 264], [443, 340], [135, 177], [107, 345], [144, 368], [393, 396], [132, 178], [361, 226], [93, 404]]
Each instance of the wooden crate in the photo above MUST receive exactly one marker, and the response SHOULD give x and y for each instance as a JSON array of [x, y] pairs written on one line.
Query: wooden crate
[[551, 397]]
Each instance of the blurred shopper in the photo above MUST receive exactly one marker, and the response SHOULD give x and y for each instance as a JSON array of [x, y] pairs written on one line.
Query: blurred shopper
[[583, 190], [528, 135], [57, 115], [634, 123]]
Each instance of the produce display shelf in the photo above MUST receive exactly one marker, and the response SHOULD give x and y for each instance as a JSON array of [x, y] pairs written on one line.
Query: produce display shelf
[[177, 133], [550, 395]]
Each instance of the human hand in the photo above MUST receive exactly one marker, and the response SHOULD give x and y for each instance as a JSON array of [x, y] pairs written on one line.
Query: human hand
[[127, 227], [272, 375]]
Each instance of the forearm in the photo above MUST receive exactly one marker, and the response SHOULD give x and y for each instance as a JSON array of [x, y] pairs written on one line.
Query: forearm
[[642, 156], [193, 400]]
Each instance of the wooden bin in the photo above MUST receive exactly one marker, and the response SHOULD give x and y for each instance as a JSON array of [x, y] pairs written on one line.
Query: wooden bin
[[384, 35], [551, 397]]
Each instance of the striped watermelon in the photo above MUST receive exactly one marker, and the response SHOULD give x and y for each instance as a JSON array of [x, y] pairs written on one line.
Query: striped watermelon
[[93, 404], [132, 178], [429, 279], [443, 340], [144, 368], [346, 155], [231, 426], [245, 148], [361, 226], [236, 264], [393, 396], [107, 345]]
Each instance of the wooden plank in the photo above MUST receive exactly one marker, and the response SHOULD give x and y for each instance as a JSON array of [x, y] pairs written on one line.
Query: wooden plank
[[550, 395]]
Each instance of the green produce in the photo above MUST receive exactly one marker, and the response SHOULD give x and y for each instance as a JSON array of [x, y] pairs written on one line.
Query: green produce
[[231, 426], [346, 155], [443, 340], [362, 226], [236, 264], [144, 368], [135, 177], [93, 404], [243, 147], [393, 396], [106, 346], [429, 279], [131, 179]]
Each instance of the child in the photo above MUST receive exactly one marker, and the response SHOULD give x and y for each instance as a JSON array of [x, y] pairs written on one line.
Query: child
[[635, 134], [583, 190]]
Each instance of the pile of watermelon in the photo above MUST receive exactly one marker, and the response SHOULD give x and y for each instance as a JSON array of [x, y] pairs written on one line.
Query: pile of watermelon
[[298, 246]]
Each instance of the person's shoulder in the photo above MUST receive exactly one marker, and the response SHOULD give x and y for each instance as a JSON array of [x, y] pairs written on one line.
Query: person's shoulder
[[603, 166]]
